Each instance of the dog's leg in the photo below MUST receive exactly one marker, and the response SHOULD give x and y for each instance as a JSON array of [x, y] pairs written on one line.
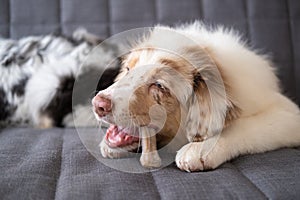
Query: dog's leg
[[149, 157], [254, 134]]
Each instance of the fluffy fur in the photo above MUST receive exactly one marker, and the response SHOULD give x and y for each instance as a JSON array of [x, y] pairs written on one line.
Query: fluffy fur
[[209, 87], [38, 74]]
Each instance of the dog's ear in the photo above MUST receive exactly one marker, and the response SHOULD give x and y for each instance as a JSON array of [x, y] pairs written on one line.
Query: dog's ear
[[210, 106]]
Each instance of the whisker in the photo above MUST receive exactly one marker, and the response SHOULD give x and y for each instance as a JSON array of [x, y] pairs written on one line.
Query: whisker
[[100, 124], [93, 93], [100, 127], [91, 117], [132, 125]]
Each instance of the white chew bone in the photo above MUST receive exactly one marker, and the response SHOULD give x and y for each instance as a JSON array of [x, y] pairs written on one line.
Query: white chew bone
[[150, 157]]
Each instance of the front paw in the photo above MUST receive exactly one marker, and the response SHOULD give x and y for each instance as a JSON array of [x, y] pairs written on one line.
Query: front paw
[[45, 122], [150, 160], [193, 157], [108, 152]]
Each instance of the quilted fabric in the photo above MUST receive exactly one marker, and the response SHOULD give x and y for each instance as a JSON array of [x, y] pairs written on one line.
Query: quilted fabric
[[53, 164], [271, 26]]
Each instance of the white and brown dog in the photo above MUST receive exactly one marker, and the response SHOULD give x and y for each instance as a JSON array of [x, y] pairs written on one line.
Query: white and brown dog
[[203, 84]]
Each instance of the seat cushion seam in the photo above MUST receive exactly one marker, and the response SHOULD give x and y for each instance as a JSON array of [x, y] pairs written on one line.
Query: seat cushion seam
[[154, 181], [248, 180], [60, 162]]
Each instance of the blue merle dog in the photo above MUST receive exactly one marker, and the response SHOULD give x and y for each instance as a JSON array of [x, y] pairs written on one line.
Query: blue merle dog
[[37, 76]]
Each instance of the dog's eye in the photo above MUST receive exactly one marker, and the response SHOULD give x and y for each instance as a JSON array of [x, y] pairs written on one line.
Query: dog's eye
[[127, 68], [159, 85]]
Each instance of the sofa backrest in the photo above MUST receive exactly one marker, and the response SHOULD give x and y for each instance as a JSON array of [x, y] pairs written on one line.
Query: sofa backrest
[[272, 26]]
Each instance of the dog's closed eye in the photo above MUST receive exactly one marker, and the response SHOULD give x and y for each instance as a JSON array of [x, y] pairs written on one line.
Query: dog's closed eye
[[159, 86], [158, 91]]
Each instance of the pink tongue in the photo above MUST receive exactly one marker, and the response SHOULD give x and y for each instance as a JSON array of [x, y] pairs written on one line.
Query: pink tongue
[[119, 138]]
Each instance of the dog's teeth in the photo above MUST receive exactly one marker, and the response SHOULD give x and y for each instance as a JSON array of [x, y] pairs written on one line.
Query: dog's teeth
[[127, 137], [114, 133]]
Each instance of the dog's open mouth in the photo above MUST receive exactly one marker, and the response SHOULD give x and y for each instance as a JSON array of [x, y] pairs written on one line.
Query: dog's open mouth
[[117, 136]]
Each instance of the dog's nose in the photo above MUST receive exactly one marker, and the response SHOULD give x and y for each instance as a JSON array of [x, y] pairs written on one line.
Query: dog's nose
[[102, 104]]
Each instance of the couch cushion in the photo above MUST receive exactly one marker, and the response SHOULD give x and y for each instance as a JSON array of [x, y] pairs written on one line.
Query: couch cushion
[[54, 164]]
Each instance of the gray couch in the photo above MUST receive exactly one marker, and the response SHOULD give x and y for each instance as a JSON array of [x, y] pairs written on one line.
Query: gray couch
[[53, 164]]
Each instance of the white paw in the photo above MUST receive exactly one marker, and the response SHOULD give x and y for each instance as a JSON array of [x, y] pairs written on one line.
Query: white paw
[[150, 160], [193, 157], [108, 152], [45, 122]]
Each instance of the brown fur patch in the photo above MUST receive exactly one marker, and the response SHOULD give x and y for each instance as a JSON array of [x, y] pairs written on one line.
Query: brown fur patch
[[180, 65], [198, 138], [196, 79], [134, 56], [132, 62], [233, 111], [171, 63], [140, 111]]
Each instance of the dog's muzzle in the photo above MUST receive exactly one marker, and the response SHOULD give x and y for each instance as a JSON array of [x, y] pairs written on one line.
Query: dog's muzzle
[[116, 136]]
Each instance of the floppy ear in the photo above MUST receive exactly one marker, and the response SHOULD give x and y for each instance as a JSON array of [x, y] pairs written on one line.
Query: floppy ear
[[210, 105]]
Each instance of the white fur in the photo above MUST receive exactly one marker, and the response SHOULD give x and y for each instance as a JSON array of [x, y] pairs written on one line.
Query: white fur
[[43, 85], [268, 120]]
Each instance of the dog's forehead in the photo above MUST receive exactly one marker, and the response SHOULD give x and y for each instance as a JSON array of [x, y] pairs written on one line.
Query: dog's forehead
[[135, 78]]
